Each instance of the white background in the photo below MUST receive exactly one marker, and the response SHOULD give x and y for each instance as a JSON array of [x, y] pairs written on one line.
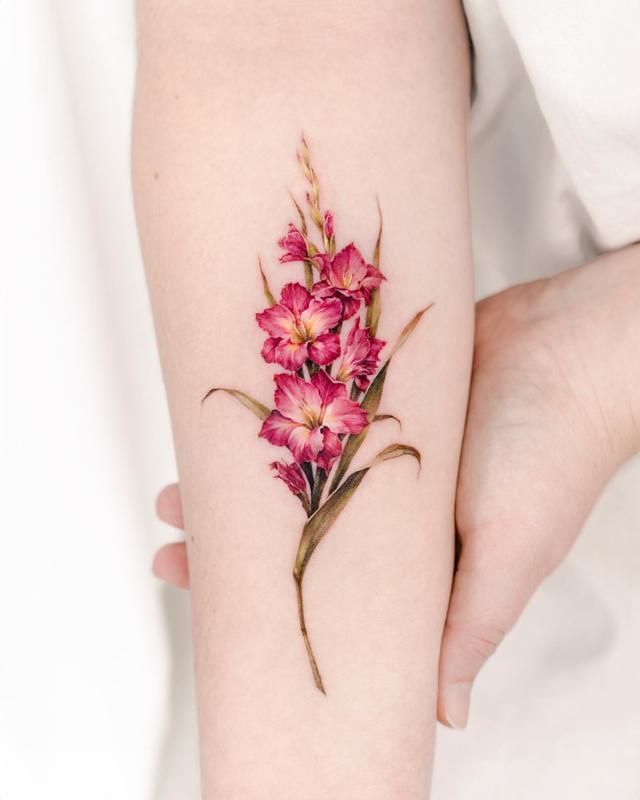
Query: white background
[[96, 696]]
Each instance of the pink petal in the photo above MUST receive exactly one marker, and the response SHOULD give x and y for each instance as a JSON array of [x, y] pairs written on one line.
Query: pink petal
[[291, 474], [268, 349], [294, 246], [328, 389], [332, 447], [348, 268], [350, 304], [276, 428], [305, 443], [277, 321], [360, 355], [323, 262], [375, 347], [373, 278], [345, 416], [322, 289], [295, 297], [321, 316], [358, 343], [291, 355], [325, 348], [297, 399]]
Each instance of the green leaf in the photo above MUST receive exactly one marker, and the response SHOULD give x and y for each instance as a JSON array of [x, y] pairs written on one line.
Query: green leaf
[[382, 417], [374, 309], [303, 221], [321, 521], [408, 330], [261, 411], [265, 286], [371, 401], [318, 525]]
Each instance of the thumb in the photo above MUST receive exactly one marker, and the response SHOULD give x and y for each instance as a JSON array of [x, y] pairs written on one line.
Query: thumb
[[486, 600]]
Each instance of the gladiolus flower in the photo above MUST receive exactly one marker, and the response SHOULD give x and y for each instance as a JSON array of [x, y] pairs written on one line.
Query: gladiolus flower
[[294, 246], [291, 474], [299, 328], [310, 415], [360, 357], [348, 277]]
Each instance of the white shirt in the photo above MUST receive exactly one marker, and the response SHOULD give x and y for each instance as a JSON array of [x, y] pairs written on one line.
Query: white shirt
[[555, 180]]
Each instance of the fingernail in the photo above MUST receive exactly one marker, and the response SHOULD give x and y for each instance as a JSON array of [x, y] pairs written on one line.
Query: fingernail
[[456, 705]]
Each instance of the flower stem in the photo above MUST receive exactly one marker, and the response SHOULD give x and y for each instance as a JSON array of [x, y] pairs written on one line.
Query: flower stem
[[305, 503], [308, 471], [318, 486], [303, 629]]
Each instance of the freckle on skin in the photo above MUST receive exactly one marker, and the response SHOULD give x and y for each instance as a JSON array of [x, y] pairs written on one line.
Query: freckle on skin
[[156, 175]]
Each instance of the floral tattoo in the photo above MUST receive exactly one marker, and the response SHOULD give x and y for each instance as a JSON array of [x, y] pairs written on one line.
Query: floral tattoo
[[330, 387]]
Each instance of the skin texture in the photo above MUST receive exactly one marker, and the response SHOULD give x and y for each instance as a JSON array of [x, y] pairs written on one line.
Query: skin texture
[[553, 412], [224, 90]]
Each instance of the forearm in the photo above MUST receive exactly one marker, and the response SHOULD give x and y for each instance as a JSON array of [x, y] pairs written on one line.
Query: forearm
[[381, 93]]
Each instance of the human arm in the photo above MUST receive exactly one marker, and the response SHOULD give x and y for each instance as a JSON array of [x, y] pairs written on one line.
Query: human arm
[[554, 411], [223, 92]]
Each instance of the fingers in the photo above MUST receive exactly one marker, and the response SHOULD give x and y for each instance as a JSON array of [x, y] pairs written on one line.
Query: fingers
[[485, 603], [170, 565], [169, 506]]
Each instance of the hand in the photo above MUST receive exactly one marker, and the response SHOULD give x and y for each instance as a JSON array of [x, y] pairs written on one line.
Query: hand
[[551, 417]]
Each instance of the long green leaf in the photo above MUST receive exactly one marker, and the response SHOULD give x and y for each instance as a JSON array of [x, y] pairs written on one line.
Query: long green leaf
[[382, 417], [303, 221], [265, 286], [374, 309], [318, 525], [261, 411], [370, 403], [321, 521], [408, 330]]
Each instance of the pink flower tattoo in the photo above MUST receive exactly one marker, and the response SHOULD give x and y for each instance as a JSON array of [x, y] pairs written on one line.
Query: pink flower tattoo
[[299, 328], [361, 357], [294, 246], [323, 333], [348, 277], [310, 415]]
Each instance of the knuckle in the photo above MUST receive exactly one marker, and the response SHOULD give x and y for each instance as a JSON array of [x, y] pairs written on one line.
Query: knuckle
[[479, 639]]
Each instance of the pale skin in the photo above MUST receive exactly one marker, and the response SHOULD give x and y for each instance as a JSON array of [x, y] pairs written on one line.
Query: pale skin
[[223, 92], [554, 411], [381, 91]]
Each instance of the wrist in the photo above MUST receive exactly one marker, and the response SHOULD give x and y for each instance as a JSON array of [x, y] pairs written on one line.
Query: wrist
[[600, 305]]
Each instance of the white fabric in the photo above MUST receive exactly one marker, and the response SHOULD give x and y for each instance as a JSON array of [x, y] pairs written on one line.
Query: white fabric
[[96, 697], [555, 179]]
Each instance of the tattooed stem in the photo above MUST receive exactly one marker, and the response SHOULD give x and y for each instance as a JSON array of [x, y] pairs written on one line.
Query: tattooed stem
[[318, 486], [305, 503], [308, 471], [303, 629]]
